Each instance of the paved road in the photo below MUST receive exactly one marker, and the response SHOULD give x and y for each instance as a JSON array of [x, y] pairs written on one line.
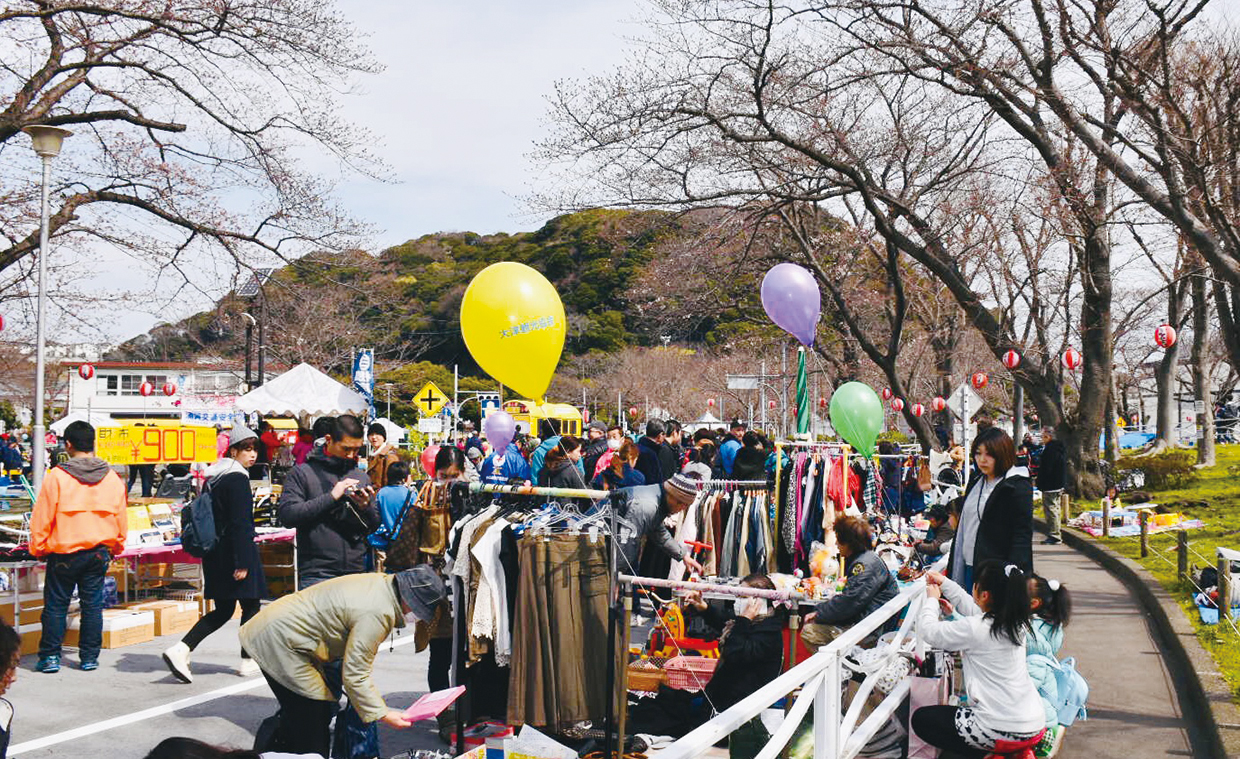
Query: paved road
[[133, 684], [1133, 710]]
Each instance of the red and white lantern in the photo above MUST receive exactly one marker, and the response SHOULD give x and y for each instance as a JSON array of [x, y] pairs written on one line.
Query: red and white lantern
[[1072, 359], [887, 394], [146, 389], [822, 403], [979, 380], [170, 388], [710, 403], [632, 411], [770, 405], [918, 409], [1011, 359], [1165, 335], [1, 322], [86, 371], [897, 405], [939, 404]]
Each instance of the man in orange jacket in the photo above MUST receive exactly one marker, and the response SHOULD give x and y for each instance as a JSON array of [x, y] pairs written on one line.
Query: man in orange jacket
[[78, 524]]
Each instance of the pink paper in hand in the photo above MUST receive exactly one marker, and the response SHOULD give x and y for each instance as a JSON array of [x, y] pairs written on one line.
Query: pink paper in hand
[[432, 704]]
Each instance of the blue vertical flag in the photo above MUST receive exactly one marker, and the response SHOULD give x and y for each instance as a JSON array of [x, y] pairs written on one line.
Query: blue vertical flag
[[364, 376]]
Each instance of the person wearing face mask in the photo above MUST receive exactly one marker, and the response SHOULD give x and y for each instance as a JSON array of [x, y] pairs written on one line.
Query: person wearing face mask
[[331, 504], [347, 618], [233, 572], [751, 649]]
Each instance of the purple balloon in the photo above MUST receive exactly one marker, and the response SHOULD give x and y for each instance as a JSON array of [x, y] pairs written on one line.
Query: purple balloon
[[791, 298], [499, 428]]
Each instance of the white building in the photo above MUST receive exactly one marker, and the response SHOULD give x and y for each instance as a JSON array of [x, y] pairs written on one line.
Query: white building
[[203, 394]]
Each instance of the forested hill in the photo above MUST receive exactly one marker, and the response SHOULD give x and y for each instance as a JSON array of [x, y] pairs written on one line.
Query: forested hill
[[609, 267]]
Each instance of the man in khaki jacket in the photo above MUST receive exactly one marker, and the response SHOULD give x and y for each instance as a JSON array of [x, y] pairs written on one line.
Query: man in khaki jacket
[[344, 618], [77, 525]]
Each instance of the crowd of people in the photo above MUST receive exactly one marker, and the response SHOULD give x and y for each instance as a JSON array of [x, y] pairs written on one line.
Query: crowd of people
[[318, 645]]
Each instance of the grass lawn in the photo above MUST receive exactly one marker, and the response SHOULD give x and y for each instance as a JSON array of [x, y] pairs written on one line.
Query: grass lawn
[[1213, 497]]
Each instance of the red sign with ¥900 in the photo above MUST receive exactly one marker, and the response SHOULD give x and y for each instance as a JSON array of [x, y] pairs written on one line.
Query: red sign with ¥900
[[132, 444]]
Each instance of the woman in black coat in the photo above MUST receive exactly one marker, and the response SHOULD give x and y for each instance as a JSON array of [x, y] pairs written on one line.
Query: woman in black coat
[[232, 571], [560, 466], [996, 516]]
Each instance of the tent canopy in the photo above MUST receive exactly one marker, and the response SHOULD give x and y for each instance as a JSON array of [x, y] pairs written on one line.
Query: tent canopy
[[96, 420], [302, 390], [395, 433]]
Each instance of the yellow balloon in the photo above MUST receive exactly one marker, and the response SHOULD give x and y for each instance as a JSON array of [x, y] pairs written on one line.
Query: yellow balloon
[[513, 323]]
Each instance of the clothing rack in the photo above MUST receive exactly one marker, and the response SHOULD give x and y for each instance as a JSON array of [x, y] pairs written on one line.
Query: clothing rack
[[739, 591], [731, 485], [595, 495], [609, 722]]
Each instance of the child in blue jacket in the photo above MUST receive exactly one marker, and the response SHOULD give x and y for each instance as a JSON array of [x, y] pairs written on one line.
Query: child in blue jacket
[[1051, 606]]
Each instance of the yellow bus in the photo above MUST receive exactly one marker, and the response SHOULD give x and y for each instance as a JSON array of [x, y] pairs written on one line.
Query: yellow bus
[[566, 419]]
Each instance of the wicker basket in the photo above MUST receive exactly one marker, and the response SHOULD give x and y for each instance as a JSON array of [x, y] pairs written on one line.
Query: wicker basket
[[645, 679], [690, 672]]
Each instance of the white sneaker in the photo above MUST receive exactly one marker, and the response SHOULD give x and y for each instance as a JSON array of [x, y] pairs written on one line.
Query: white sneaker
[[249, 668], [177, 659]]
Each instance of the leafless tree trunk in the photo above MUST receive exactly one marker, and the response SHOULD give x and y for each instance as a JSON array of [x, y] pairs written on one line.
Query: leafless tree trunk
[[1201, 371]]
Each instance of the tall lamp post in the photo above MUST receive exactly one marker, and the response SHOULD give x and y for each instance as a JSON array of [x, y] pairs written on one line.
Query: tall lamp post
[[46, 141]]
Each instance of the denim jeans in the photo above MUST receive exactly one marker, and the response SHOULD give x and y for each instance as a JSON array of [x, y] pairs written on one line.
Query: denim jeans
[[84, 570]]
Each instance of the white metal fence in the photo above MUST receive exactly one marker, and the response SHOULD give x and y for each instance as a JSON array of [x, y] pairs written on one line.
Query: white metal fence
[[837, 734]]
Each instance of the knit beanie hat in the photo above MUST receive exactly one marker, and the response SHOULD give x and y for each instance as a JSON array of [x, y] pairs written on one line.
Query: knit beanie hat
[[239, 434], [684, 483]]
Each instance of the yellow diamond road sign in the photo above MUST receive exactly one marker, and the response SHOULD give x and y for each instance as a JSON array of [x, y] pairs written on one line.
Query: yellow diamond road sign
[[430, 399]]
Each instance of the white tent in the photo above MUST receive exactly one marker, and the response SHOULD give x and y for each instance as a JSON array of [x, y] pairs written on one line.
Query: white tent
[[96, 420], [708, 421], [302, 390], [395, 433]]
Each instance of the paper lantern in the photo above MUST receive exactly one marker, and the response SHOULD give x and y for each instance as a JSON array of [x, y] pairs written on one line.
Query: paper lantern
[[170, 388], [632, 411], [145, 389], [980, 380], [770, 405], [1011, 359], [86, 371], [1, 322], [887, 394], [822, 403], [897, 405], [1072, 359], [1165, 335], [710, 403], [918, 409], [939, 403]]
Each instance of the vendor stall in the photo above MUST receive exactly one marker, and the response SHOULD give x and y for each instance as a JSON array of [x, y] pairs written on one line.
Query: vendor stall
[[302, 391]]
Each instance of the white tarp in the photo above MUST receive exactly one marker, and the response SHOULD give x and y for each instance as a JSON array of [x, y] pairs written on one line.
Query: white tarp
[[395, 433], [96, 420], [302, 390]]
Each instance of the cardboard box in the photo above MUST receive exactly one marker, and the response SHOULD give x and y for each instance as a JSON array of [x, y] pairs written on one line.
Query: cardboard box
[[121, 627], [171, 617], [30, 635]]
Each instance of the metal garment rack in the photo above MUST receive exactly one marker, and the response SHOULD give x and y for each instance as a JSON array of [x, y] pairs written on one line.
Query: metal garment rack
[[613, 572]]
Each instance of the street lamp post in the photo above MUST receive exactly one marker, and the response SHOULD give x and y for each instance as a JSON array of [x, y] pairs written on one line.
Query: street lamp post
[[46, 141]]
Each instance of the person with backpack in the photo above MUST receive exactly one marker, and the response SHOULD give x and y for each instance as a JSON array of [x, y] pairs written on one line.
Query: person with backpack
[[393, 499], [1003, 712], [1052, 607], [231, 568]]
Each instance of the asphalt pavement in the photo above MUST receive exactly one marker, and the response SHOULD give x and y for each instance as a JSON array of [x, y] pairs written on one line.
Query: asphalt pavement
[[131, 702], [1133, 707]]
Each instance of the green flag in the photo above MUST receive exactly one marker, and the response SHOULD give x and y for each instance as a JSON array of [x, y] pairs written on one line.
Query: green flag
[[802, 394]]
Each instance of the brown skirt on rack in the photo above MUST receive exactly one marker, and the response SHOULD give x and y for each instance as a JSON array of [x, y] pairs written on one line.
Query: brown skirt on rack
[[559, 651]]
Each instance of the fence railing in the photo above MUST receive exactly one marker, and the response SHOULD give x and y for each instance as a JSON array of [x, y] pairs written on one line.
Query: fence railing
[[837, 734]]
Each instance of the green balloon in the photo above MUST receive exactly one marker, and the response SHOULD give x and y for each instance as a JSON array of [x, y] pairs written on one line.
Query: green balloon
[[857, 415]]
